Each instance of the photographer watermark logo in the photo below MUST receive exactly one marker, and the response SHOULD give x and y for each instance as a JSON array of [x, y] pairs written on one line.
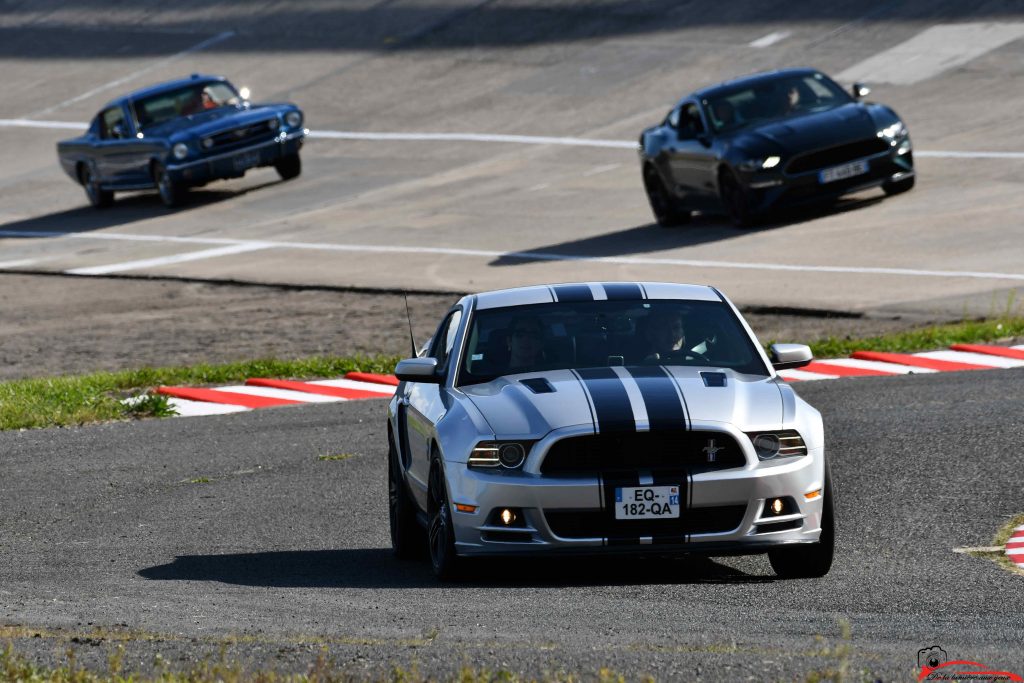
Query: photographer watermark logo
[[936, 665]]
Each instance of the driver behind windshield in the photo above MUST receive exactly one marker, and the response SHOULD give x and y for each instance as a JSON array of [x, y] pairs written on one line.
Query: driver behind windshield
[[525, 343], [665, 336]]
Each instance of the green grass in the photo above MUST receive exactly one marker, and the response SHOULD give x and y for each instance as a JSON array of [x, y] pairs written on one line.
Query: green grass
[[75, 400], [335, 457], [925, 338]]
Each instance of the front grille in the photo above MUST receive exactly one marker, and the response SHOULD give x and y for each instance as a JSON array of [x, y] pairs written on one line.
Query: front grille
[[243, 135], [673, 450], [833, 156], [602, 524]]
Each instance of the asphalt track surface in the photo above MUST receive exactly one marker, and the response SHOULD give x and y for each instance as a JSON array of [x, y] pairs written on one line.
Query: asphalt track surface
[[367, 212], [288, 553]]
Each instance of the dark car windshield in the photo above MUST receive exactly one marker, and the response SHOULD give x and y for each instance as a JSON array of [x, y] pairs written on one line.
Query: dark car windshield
[[773, 99], [185, 101], [564, 335]]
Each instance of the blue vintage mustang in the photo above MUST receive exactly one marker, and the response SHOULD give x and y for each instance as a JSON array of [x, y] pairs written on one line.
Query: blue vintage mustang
[[181, 134]]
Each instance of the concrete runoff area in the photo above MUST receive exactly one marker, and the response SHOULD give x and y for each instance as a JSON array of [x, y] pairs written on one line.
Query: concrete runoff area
[[582, 70]]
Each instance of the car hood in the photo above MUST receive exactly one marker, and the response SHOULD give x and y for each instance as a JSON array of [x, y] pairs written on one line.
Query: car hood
[[211, 122], [626, 399], [811, 131]]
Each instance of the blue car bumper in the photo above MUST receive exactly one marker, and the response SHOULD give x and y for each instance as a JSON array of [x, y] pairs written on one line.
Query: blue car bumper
[[234, 163]]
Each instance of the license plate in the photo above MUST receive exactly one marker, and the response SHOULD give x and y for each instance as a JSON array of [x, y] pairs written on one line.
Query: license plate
[[843, 172], [647, 502], [246, 160]]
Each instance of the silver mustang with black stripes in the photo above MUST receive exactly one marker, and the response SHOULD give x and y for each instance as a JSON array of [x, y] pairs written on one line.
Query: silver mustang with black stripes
[[600, 418]]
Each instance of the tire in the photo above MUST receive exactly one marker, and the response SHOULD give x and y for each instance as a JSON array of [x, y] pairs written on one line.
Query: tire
[[440, 533], [668, 211], [171, 193], [289, 166], [735, 201], [898, 187], [408, 540], [810, 561], [98, 198]]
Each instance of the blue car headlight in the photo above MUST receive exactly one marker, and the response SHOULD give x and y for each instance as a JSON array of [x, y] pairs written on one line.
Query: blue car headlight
[[893, 132], [293, 119], [180, 151], [760, 164]]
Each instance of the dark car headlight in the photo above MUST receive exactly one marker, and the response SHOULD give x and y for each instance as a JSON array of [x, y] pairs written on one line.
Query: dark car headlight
[[893, 132], [180, 151], [293, 119], [760, 163], [784, 444], [508, 454]]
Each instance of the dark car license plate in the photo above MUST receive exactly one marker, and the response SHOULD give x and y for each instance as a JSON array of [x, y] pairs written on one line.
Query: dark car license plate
[[246, 160]]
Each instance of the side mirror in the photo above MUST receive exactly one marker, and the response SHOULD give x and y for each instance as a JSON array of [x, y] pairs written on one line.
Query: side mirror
[[790, 356], [418, 370], [860, 90]]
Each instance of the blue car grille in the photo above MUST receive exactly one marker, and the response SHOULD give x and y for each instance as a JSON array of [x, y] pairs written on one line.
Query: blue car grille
[[834, 156], [631, 451], [256, 132]]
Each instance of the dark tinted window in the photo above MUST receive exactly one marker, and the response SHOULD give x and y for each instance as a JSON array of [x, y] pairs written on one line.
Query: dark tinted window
[[110, 120], [603, 333], [772, 99], [186, 101]]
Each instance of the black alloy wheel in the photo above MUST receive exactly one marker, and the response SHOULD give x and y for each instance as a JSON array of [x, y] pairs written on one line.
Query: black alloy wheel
[[289, 166], [97, 196], [736, 201], [668, 211], [407, 538], [171, 193], [811, 560], [898, 187], [440, 534]]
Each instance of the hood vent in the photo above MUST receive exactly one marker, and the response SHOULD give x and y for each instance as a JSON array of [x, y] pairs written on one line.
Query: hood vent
[[538, 385], [713, 379]]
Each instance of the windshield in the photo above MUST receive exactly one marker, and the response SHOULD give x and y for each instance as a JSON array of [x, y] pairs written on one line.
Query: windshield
[[778, 98], [191, 99], [503, 341]]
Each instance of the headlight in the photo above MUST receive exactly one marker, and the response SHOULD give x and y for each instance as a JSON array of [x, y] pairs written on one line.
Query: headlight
[[760, 164], [770, 445], [293, 119], [180, 150], [507, 454], [893, 132]]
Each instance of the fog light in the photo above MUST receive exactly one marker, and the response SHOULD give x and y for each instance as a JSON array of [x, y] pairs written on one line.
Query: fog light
[[777, 506], [508, 517]]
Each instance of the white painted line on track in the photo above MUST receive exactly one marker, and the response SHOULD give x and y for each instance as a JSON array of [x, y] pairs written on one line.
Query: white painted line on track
[[219, 38], [601, 169], [974, 358], [167, 260], [881, 366], [251, 245], [186, 408], [1015, 551], [805, 376], [770, 39], [482, 137], [287, 394], [18, 264], [935, 50]]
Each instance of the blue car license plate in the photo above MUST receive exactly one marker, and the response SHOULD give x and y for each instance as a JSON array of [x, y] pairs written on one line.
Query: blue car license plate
[[647, 502], [246, 160], [830, 175]]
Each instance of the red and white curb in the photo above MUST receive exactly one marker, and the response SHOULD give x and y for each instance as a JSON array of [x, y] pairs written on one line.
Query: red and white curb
[[879, 363], [1015, 547], [269, 393]]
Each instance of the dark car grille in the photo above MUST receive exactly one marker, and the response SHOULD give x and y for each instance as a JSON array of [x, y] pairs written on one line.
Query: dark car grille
[[833, 156], [673, 450], [602, 524], [242, 135]]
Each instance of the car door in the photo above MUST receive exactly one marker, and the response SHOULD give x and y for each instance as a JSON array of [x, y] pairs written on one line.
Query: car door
[[424, 406], [691, 156], [113, 149]]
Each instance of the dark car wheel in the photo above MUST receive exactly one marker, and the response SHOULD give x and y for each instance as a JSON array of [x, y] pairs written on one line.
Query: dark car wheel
[[667, 210], [98, 197], [289, 166], [736, 201], [898, 187], [171, 193], [440, 534], [813, 560], [407, 538]]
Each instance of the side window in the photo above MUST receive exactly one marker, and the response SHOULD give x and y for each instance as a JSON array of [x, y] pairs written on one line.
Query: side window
[[112, 124], [690, 124], [445, 339], [673, 118]]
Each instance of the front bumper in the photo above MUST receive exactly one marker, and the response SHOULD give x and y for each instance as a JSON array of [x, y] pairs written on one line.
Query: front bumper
[[234, 163], [723, 511], [777, 189]]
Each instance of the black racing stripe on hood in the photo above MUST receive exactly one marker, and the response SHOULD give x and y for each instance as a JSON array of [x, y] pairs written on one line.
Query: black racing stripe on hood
[[572, 293], [666, 410], [622, 291], [612, 410]]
